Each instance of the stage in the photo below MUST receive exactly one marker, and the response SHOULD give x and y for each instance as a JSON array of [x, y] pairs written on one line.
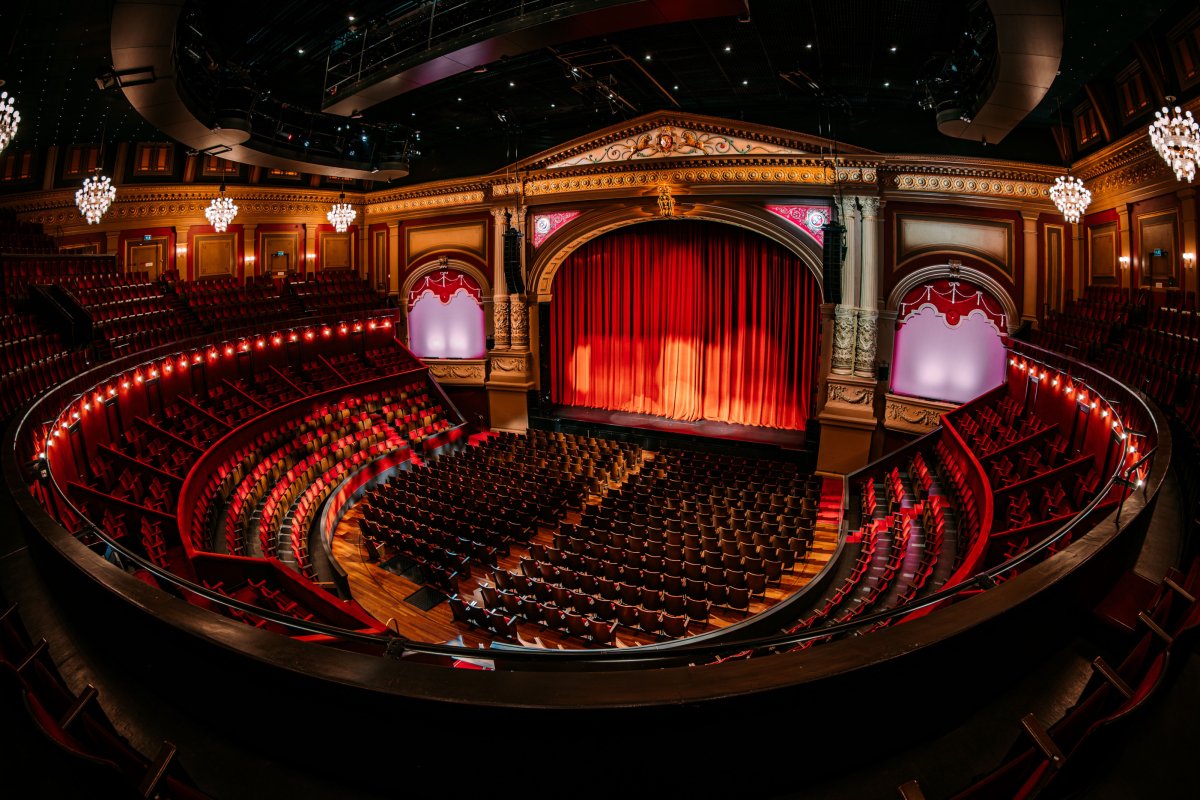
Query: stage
[[669, 429]]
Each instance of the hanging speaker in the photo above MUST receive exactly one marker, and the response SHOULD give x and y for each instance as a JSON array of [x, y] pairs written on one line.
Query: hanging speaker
[[831, 260]]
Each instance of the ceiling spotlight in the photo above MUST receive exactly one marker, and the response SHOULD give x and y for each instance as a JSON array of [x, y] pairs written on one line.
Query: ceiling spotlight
[[554, 105], [808, 46], [892, 49], [300, 50], [886, 84], [351, 18], [745, 83], [675, 87], [647, 56], [728, 49], [460, 99], [511, 84]]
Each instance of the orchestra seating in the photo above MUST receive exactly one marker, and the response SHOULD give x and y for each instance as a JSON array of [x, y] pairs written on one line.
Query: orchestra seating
[[254, 512], [682, 533]]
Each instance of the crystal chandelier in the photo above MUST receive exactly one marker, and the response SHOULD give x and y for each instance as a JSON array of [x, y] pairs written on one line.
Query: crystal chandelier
[[220, 211], [1177, 140], [9, 119], [1069, 194], [95, 197], [342, 214]]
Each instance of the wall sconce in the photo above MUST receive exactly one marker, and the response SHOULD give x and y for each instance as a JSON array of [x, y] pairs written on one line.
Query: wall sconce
[[1189, 260], [249, 259], [1124, 262]]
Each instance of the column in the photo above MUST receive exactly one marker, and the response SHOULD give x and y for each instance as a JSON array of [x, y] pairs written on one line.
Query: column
[[249, 251], [394, 266], [852, 268], [866, 340], [500, 311], [1125, 232], [1029, 292], [1188, 235]]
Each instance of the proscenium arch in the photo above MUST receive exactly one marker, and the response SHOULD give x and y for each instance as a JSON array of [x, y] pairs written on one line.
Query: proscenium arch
[[590, 225], [952, 272], [435, 264]]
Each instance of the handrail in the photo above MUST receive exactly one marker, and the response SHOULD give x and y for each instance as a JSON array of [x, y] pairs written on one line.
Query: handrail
[[682, 648]]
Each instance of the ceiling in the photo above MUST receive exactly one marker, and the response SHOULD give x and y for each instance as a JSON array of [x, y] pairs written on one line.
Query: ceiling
[[847, 69]]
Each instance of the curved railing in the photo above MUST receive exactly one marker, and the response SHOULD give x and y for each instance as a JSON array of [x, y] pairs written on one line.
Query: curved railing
[[1145, 474]]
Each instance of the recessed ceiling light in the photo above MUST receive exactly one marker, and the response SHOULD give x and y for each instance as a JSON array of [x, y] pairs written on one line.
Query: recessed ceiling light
[[886, 84], [553, 105], [460, 99], [745, 83], [511, 84], [457, 128], [675, 87]]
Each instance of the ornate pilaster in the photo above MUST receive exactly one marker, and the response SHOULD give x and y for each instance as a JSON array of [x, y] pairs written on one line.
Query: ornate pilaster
[[865, 343], [519, 320], [869, 288], [500, 319], [842, 362]]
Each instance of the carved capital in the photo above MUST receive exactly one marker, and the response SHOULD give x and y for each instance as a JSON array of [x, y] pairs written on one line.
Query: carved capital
[[500, 322], [844, 326], [870, 206], [519, 321], [866, 342]]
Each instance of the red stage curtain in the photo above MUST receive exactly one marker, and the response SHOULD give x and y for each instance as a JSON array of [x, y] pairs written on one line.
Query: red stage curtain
[[686, 320]]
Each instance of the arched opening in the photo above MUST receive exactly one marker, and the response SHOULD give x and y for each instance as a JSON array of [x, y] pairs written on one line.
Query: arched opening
[[445, 316], [687, 320], [949, 341]]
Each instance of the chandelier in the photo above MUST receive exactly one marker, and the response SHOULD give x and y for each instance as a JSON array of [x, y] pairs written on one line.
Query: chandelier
[[1069, 194], [220, 211], [95, 197], [9, 119], [1177, 140], [342, 214]]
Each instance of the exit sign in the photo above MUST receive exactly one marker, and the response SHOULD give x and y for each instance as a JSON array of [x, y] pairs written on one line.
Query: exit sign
[[147, 237], [280, 253]]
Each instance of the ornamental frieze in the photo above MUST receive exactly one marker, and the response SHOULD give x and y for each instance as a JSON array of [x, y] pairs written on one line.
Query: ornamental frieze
[[851, 395], [943, 183], [467, 372], [913, 415]]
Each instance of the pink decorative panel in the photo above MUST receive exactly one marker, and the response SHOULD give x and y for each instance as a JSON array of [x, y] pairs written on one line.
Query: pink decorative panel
[[443, 284], [810, 219], [445, 317], [949, 343], [546, 224]]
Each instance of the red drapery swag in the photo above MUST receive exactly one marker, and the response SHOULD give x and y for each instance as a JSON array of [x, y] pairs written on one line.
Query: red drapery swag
[[686, 320]]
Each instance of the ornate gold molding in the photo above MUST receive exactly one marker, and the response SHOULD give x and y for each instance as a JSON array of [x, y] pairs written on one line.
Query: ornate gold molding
[[469, 198], [908, 181]]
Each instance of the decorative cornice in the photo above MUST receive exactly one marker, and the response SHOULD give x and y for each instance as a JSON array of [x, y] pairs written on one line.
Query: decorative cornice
[[418, 203], [971, 185]]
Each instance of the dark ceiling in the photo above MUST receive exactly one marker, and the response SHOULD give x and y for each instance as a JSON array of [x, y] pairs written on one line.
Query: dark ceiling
[[848, 69]]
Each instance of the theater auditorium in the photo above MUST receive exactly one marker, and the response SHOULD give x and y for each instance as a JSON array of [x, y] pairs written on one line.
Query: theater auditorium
[[622, 398]]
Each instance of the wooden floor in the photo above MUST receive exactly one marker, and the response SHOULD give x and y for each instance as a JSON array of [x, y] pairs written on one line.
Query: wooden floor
[[382, 593]]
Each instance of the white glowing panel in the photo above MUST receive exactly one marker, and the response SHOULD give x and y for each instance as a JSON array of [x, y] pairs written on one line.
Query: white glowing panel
[[942, 362], [447, 330]]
